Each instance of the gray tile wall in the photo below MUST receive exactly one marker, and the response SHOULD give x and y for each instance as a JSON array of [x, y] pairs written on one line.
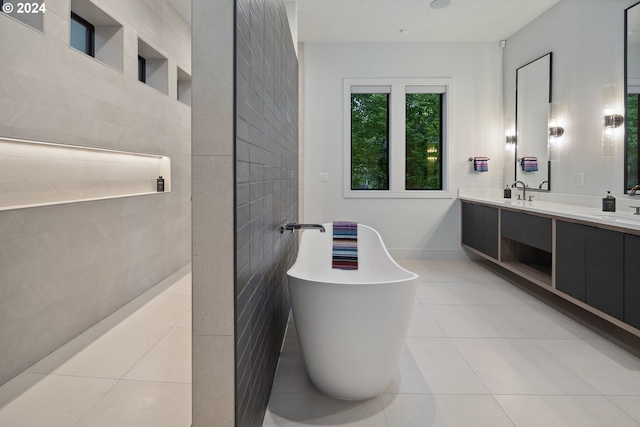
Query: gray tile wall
[[64, 268], [266, 195]]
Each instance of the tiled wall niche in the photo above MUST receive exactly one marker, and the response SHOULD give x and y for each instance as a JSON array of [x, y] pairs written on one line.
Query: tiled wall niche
[[184, 87], [156, 71], [29, 13], [109, 33], [245, 184], [65, 267], [37, 173]]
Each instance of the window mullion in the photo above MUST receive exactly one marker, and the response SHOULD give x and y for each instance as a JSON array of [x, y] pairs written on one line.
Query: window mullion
[[397, 149]]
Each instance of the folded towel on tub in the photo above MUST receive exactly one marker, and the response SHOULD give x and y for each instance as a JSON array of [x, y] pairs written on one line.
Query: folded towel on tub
[[345, 245]]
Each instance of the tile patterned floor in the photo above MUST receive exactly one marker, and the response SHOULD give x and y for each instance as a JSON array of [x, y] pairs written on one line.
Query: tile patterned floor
[[480, 352], [131, 369]]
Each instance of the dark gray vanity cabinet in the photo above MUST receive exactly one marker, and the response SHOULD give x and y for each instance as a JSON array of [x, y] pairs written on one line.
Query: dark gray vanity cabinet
[[632, 280], [480, 228], [570, 259], [605, 271], [590, 266], [531, 230]]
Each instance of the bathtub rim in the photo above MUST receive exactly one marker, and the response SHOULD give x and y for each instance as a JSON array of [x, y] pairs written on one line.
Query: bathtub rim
[[329, 226]]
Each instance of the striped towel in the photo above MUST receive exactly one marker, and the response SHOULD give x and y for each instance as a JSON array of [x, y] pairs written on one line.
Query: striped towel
[[345, 245], [481, 164], [529, 164]]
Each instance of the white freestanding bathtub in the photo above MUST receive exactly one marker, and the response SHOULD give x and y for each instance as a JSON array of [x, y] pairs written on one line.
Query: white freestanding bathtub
[[351, 324]]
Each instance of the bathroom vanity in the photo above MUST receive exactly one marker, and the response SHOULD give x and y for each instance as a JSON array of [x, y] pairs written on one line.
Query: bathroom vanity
[[589, 257]]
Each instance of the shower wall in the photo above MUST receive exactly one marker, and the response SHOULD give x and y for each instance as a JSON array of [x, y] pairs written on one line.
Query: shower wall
[[245, 184], [65, 267]]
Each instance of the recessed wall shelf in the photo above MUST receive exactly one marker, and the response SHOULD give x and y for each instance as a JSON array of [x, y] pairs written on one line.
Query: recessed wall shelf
[[184, 87], [34, 173], [108, 37], [29, 13], [156, 69]]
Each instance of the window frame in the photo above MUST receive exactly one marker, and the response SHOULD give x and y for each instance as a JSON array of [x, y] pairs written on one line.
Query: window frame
[[90, 30], [397, 137], [142, 69]]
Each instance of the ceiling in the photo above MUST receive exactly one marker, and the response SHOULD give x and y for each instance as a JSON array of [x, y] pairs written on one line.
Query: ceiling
[[382, 20]]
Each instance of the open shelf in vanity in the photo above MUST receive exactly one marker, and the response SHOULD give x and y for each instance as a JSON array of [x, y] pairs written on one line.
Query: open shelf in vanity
[[526, 244]]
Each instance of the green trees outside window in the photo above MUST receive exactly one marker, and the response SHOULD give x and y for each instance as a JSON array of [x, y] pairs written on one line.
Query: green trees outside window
[[370, 141], [423, 126]]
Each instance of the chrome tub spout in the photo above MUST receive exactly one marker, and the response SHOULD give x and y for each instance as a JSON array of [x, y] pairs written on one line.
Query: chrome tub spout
[[295, 226]]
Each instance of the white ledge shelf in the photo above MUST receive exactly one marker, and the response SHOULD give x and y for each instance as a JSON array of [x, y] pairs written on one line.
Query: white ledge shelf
[[35, 174], [68, 202]]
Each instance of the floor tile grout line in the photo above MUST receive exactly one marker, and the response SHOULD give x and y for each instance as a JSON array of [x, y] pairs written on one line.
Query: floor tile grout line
[[637, 420], [154, 346], [96, 402]]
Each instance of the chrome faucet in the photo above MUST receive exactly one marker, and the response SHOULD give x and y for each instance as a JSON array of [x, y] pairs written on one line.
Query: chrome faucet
[[524, 189], [295, 226], [632, 192]]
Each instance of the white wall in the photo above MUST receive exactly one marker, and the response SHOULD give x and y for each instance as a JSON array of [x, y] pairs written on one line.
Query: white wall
[[587, 41], [410, 228]]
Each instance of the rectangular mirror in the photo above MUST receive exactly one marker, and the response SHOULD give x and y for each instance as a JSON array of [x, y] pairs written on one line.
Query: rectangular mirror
[[533, 95], [632, 95]]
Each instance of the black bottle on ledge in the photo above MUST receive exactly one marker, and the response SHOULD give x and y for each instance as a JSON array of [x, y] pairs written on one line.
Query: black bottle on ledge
[[160, 184], [609, 203]]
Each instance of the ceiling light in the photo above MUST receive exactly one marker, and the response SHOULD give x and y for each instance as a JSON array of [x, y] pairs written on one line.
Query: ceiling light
[[439, 4]]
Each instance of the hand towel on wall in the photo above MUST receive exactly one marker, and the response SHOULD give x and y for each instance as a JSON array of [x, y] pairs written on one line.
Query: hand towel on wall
[[481, 164], [529, 164], [345, 245]]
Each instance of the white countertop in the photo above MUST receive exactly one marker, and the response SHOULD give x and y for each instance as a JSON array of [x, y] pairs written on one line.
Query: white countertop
[[583, 210]]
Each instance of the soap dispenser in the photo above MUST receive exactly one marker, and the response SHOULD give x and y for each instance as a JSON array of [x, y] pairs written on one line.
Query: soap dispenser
[[160, 184], [609, 203], [507, 192]]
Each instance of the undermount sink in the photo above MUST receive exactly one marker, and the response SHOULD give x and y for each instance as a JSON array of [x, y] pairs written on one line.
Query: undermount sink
[[619, 216]]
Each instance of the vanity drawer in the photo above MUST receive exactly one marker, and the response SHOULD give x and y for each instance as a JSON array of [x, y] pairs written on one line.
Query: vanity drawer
[[531, 230]]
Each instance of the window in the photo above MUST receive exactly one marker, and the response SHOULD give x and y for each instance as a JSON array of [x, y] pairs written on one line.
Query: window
[[142, 69], [395, 140], [423, 130], [96, 34], [29, 13], [184, 87], [153, 67], [82, 35], [369, 141]]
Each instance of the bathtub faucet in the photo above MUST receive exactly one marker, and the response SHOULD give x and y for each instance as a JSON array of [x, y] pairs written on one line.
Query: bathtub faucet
[[295, 226]]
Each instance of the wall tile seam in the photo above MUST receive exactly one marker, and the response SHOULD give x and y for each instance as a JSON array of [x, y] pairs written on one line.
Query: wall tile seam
[[117, 88]]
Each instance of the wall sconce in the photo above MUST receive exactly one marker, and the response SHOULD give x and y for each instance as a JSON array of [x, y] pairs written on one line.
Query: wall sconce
[[611, 120], [555, 131], [510, 132]]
